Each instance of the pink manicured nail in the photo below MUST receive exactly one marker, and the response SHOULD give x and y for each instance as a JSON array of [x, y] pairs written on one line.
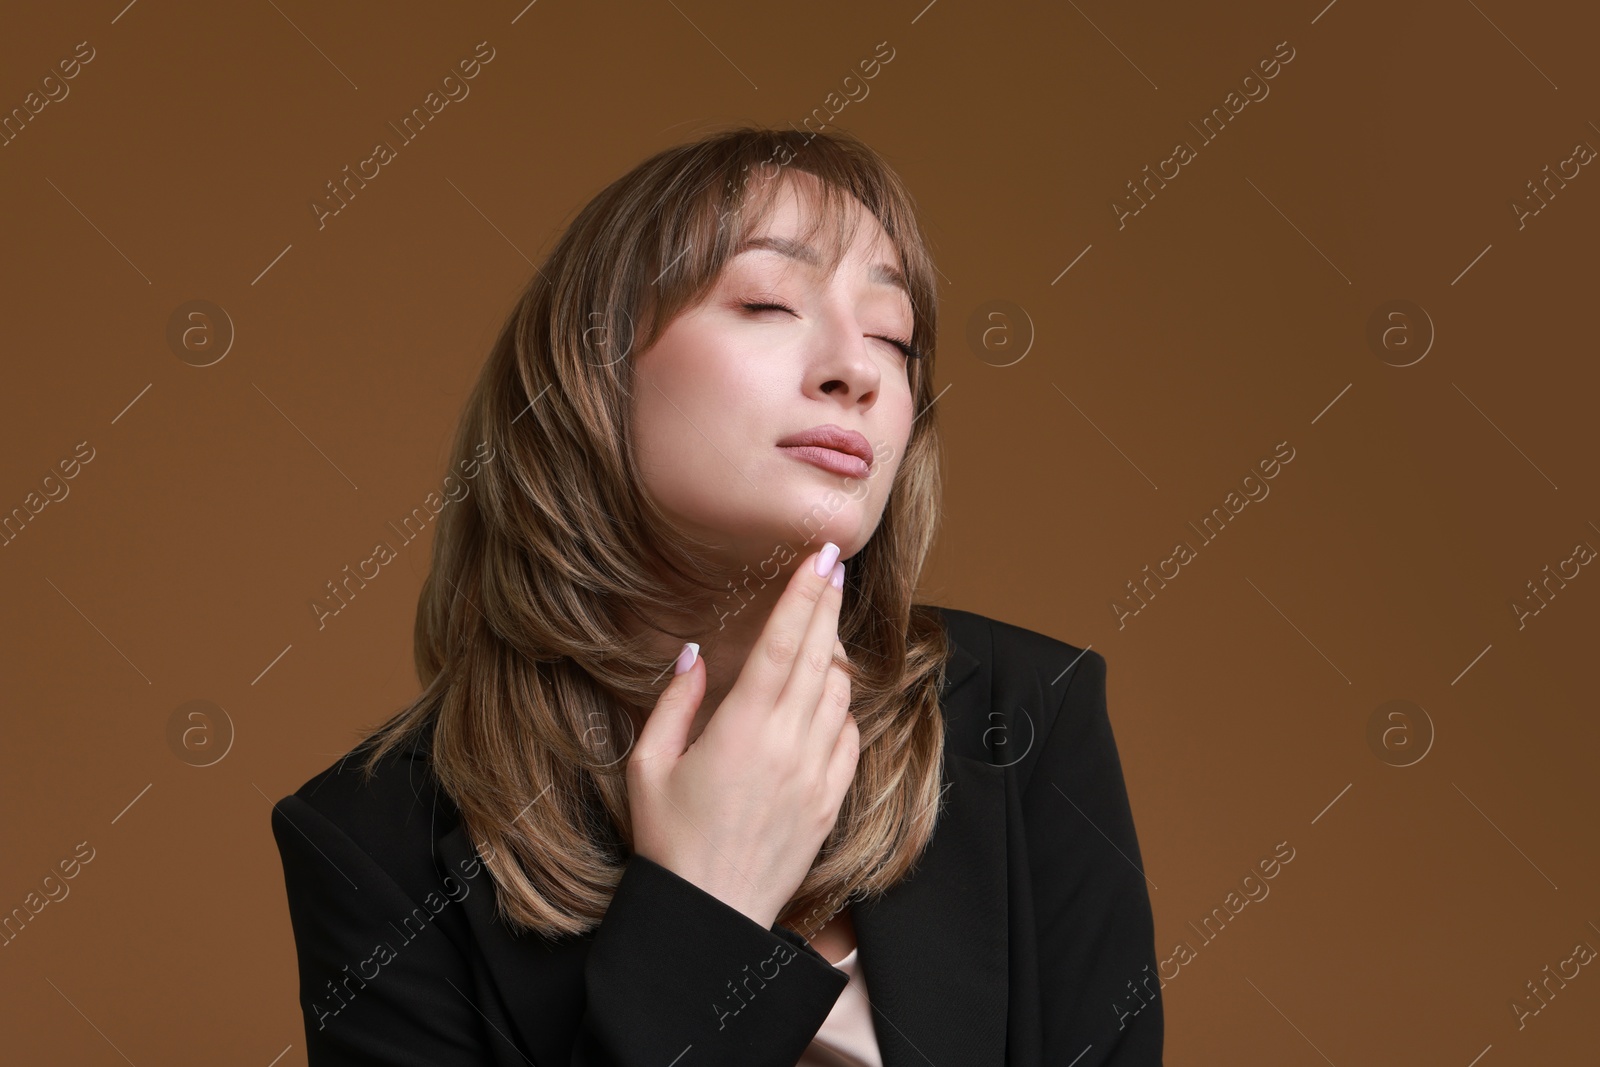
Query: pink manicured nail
[[837, 577], [826, 559], [686, 658]]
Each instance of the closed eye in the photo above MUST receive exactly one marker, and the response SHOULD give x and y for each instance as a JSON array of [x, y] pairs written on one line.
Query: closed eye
[[904, 346], [901, 343]]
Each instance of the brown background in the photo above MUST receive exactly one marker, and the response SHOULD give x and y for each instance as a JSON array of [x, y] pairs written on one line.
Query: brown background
[[1231, 314]]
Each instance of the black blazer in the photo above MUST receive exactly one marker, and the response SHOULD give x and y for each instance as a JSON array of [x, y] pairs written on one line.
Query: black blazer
[[1023, 937]]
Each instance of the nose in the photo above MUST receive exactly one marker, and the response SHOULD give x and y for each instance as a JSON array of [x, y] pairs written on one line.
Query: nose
[[844, 367]]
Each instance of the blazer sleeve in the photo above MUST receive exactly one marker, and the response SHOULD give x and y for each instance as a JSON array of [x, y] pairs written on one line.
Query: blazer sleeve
[[1099, 986], [671, 968]]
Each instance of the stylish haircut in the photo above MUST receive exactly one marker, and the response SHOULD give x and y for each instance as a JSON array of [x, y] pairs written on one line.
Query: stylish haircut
[[528, 641]]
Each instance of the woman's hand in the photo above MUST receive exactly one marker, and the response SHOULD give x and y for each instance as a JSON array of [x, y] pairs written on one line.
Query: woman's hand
[[742, 812]]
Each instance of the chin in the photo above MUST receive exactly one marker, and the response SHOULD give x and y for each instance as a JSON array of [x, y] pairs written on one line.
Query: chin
[[823, 516]]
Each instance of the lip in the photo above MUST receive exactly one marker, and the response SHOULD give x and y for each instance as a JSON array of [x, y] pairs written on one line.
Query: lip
[[829, 459], [832, 447]]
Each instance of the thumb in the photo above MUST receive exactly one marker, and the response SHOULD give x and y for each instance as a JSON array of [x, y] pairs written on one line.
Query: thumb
[[666, 731]]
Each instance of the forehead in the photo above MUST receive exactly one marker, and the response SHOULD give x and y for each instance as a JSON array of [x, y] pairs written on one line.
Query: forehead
[[878, 272], [780, 233]]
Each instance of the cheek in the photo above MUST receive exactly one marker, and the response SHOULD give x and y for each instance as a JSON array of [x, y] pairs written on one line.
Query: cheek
[[695, 410], [705, 373], [897, 431]]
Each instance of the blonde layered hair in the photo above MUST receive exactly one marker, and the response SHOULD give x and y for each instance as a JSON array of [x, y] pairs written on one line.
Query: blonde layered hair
[[529, 641]]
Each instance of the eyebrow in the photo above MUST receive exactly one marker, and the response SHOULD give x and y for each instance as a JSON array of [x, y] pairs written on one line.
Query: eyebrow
[[880, 273]]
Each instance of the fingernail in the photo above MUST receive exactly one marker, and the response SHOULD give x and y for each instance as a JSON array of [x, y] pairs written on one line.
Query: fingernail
[[837, 577], [826, 559], [686, 658]]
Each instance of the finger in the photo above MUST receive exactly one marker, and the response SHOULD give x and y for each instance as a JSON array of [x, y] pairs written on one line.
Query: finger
[[815, 663], [845, 758], [772, 659], [666, 730], [830, 711]]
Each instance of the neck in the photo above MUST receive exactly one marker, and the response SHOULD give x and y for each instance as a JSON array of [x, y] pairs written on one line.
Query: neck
[[726, 632]]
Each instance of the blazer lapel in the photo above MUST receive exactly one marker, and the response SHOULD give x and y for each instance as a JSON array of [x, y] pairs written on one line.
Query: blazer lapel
[[934, 948]]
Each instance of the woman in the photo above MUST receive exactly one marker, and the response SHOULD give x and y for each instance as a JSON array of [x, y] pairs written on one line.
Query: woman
[[849, 829]]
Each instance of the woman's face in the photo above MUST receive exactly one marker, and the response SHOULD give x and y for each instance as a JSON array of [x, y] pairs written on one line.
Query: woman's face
[[726, 384]]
